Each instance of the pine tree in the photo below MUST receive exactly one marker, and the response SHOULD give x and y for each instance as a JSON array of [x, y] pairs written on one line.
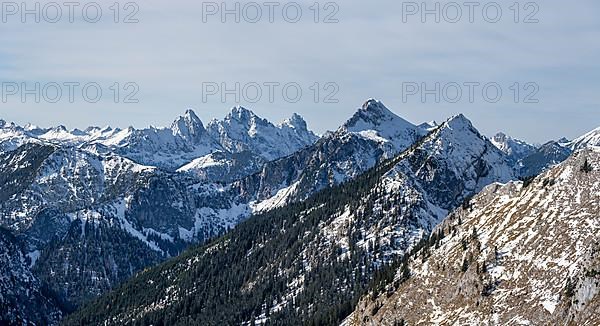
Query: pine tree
[[586, 167], [465, 265]]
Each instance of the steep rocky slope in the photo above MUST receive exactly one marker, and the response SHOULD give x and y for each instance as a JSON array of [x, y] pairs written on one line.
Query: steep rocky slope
[[590, 139], [92, 221], [516, 254], [372, 134]]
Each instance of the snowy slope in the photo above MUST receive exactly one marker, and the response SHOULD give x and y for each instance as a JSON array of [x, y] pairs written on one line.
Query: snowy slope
[[591, 139], [376, 122], [167, 148], [373, 133], [514, 148], [242, 130], [50, 194], [13, 136], [516, 254], [232, 148]]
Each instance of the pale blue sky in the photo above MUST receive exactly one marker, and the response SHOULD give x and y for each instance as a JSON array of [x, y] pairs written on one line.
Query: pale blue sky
[[171, 52]]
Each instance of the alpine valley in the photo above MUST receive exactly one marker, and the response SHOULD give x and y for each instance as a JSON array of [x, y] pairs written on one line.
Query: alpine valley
[[246, 222]]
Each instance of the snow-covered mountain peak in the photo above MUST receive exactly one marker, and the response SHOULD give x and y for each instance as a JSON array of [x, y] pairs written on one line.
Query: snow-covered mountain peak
[[459, 129], [459, 121], [374, 121], [27, 127], [189, 117], [59, 134], [9, 125], [98, 130], [242, 130], [241, 114], [374, 105], [295, 121], [470, 153], [188, 126], [78, 132], [428, 125], [372, 114], [60, 128], [514, 148], [242, 120], [92, 129]]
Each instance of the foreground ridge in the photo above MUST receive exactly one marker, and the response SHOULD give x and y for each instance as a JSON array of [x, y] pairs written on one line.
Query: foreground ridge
[[526, 253]]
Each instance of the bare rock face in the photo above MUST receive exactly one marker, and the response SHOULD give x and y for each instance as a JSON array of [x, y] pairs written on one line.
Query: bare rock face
[[515, 254]]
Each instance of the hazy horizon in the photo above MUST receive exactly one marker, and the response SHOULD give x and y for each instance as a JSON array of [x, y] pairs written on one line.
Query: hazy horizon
[[206, 120]]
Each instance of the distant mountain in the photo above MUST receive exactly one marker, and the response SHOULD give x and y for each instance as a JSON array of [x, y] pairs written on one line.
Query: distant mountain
[[374, 121], [373, 133], [97, 206], [514, 148], [529, 160], [243, 131], [13, 136], [532, 162], [308, 262], [520, 253], [246, 143], [543, 158], [242, 142]]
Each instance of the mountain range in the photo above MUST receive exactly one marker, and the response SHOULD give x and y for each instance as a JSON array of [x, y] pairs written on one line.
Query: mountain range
[[325, 247], [84, 211]]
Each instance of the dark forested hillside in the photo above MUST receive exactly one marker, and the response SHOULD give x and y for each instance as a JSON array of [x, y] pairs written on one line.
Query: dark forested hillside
[[244, 275], [24, 300]]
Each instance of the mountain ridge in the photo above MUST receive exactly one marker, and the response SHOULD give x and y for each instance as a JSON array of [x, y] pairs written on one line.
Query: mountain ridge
[[340, 227], [512, 243], [71, 200]]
